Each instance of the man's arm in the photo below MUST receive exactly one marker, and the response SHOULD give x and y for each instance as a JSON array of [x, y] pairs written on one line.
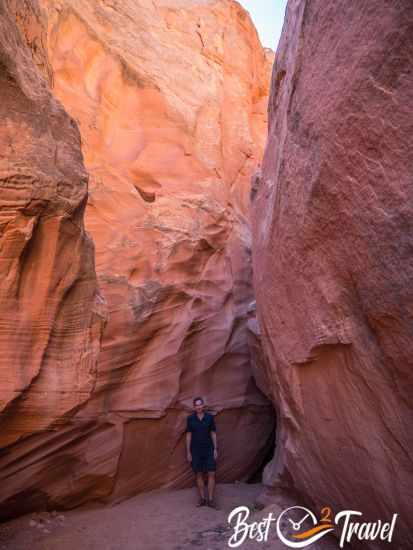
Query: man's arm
[[214, 440], [188, 445], [214, 437], [188, 440]]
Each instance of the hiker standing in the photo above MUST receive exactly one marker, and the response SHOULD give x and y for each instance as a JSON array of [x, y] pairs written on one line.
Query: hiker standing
[[201, 450]]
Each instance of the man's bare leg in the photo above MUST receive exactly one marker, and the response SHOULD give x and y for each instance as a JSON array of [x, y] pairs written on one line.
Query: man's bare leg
[[211, 485], [200, 484]]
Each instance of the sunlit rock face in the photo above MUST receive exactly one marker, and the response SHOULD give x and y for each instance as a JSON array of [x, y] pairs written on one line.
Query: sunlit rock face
[[51, 312], [170, 98], [332, 256]]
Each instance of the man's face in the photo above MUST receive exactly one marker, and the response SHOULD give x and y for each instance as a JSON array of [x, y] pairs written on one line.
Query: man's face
[[199, 406]]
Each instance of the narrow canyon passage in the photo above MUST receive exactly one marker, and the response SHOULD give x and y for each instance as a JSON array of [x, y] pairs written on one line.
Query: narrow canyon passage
[[186, 213]]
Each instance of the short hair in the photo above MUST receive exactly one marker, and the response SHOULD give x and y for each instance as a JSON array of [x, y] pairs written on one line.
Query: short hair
[[197, 399]]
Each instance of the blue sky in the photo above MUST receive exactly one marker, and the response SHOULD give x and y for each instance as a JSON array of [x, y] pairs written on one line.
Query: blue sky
[[268, 17]]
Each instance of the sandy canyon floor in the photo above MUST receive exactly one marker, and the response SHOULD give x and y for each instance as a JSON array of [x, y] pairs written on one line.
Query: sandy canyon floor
[[159, 520]]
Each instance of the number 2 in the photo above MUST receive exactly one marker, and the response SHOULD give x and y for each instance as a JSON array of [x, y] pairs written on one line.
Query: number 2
[[326, 514]]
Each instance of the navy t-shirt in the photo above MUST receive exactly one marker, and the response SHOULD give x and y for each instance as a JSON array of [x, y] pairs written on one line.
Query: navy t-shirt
[[201, 439]]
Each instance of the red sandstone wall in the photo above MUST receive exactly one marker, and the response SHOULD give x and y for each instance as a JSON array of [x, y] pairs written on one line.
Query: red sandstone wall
[[332, 234]]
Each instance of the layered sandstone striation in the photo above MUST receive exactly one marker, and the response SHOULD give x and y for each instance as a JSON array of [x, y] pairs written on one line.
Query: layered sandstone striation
[[332, 256], [51, 312], [170, 98]]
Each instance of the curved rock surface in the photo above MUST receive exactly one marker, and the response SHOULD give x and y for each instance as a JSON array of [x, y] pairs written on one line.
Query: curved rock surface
[[51, 312], [170, 97], [332, 257]]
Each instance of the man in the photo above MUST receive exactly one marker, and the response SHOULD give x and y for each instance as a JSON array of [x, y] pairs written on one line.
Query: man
[[201, 450]]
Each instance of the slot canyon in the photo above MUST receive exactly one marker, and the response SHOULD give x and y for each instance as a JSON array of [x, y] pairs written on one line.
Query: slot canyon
[[185, 212]]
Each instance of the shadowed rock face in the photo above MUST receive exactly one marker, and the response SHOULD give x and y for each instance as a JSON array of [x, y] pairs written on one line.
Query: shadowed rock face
[[51, 313], [170, 98], [332, 256]]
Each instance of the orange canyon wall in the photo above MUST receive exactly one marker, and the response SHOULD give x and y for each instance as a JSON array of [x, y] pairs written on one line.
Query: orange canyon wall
[[52, 314], [170, 98]]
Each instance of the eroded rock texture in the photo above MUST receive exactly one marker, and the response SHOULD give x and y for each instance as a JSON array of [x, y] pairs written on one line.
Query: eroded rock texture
[[332, 255], [170, 98], [51, 312]]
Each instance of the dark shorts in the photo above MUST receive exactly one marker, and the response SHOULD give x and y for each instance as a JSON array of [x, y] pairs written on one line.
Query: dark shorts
[[203, 461]]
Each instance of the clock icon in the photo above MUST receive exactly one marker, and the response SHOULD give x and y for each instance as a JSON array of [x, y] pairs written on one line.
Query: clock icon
[[298, 527]]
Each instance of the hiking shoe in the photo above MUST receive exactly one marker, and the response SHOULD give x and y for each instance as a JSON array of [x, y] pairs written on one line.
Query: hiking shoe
[[201, 502], [212, 504]]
